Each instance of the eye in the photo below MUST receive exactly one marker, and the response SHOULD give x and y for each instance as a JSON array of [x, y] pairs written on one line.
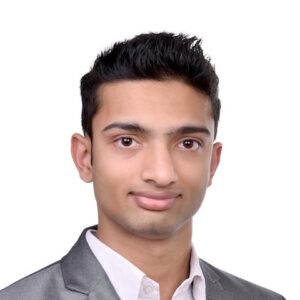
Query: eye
[[126, 142], [189, 144]]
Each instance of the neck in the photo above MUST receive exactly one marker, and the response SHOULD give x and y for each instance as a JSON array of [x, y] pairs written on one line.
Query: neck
[[166, 261]]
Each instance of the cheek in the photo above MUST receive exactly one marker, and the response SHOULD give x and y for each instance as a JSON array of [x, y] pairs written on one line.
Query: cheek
[[103, 176], [195, 173], [194, 179], [111, 177]]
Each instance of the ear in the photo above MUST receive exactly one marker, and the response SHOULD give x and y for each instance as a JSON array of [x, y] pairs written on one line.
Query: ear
[[81, 148], [215, 160]]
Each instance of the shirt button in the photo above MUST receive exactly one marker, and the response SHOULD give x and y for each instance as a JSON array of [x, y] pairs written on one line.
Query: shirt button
[[148, 289]]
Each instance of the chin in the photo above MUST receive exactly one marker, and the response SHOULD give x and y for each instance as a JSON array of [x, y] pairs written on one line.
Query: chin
[[155, 230]]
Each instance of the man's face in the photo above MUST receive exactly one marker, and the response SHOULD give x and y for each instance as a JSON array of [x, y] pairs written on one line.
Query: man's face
[[153, 155]]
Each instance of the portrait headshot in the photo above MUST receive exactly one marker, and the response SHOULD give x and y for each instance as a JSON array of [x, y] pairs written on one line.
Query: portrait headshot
[[149, 155]]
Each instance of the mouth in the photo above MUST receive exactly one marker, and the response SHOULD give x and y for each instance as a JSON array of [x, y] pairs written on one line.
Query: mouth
[[155, 201]]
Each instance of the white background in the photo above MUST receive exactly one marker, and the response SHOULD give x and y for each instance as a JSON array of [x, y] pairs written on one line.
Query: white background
[[249, 223]]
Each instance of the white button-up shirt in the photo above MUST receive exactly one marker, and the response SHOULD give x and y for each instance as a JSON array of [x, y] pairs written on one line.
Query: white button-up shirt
[[131, 283]]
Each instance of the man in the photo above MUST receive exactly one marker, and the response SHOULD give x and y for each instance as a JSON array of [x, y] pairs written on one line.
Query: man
[[150, 112]]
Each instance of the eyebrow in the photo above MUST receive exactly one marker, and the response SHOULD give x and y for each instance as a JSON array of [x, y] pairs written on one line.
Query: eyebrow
[[191, 129], [134, 127]]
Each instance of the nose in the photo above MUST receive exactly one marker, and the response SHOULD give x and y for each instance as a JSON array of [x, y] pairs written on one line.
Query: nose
[[158, 166]]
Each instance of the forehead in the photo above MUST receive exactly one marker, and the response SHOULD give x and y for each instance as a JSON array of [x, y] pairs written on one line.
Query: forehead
[[152, 103]]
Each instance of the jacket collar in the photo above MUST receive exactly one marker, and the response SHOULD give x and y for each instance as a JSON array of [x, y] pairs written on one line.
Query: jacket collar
[[82, 272], [213, 283]]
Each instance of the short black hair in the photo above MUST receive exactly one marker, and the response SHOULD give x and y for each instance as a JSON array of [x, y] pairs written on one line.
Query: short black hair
[[156, 56]]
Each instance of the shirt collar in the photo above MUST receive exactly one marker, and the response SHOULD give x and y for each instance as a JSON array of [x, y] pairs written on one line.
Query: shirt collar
[[129, 281], [124, 276], [197, 276]]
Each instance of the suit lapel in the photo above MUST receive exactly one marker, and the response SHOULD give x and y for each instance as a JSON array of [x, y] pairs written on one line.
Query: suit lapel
[[214, 288], [83, 273]]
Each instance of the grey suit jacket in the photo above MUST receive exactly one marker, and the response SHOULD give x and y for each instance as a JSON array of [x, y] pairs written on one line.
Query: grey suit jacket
[[79, 276]]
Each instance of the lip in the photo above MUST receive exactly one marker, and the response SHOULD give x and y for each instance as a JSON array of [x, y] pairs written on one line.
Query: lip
[[157, 201]]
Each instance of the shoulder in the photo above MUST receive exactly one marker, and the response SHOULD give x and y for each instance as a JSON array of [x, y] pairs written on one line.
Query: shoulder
[[233, 285], [45, 284]]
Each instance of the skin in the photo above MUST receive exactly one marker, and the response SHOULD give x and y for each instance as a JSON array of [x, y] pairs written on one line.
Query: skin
[[151, 139]]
